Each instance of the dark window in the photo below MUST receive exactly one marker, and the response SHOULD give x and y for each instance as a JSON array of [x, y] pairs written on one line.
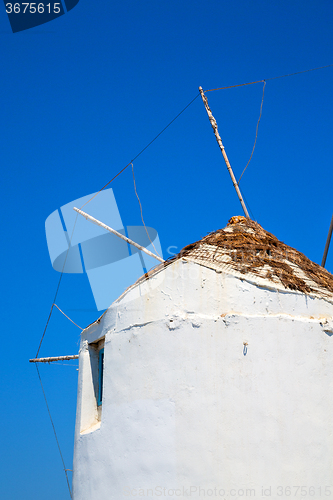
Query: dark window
[[100, 376]]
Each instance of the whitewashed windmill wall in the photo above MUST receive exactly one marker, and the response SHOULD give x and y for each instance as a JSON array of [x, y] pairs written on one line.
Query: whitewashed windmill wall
[[218, 377]]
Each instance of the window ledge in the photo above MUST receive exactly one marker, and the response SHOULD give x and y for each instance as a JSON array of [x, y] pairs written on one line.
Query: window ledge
[[92, 428]]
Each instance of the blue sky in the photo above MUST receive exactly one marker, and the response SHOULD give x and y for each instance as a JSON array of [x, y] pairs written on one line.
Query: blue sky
[[83, 95]]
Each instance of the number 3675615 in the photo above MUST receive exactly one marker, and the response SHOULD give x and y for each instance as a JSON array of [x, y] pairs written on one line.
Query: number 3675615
[[33, 8]]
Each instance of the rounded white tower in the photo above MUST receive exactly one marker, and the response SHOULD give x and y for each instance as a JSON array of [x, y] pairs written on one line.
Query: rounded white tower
[[212, 377]]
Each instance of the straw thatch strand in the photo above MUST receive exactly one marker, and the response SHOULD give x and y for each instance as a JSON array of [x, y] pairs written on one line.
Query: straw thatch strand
[[251, 249], [244, 248]]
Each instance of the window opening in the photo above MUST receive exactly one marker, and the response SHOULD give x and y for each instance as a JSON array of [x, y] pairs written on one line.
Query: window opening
[[100, 376]]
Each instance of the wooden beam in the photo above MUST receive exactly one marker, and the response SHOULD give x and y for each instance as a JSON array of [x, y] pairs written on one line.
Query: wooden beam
[[329, 236], [57, 358], [219, 142], [113, 231]]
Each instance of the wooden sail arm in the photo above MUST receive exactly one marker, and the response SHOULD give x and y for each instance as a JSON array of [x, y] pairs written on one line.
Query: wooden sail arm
[[56, 358], [328, 241], [113, 231], [219, 142]]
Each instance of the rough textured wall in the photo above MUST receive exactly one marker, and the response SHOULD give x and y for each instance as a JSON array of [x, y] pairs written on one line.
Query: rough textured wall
[[209, 382]]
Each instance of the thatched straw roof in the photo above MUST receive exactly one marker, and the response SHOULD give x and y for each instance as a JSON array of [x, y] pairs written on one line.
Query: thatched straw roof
[[243, 248]]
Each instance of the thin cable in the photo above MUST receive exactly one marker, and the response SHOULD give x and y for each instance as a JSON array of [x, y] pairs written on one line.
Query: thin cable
[[299, 72], [248, 205], [233, 86], [67, 316], [255, 140], [143, 222], [55, 434], [142, 150], [113, 178], [272, 78], [57, 290]]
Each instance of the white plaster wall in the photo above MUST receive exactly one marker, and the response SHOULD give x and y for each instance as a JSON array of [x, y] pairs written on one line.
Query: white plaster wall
[[185, 408]]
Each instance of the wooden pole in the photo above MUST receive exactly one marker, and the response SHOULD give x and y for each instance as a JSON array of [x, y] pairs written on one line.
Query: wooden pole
[[219, 142], [57, 358], [323, 262], [113, 231]]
